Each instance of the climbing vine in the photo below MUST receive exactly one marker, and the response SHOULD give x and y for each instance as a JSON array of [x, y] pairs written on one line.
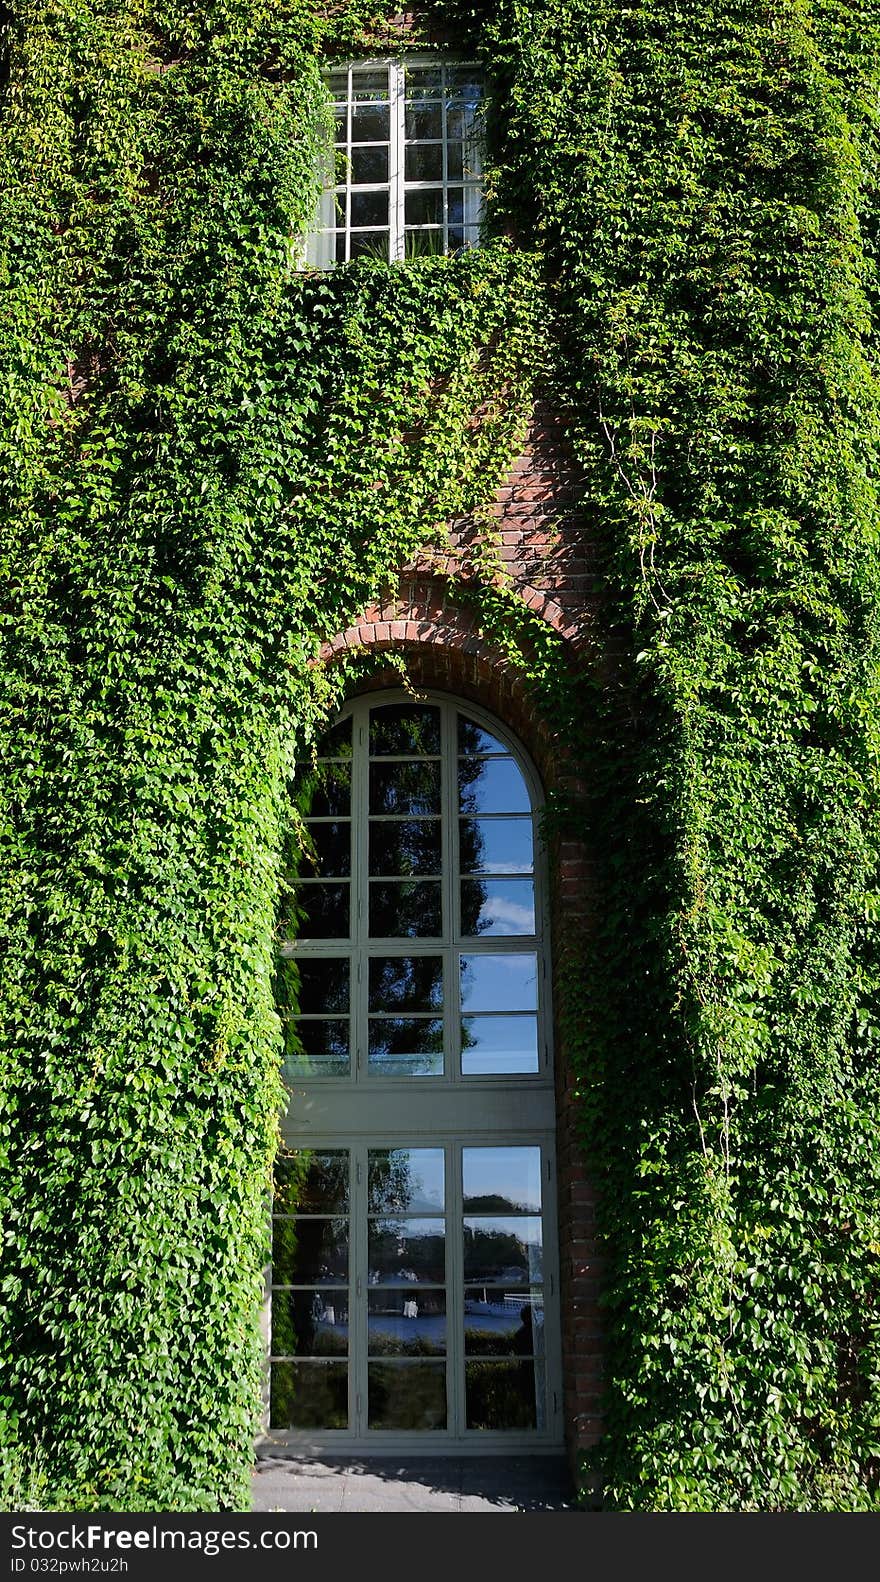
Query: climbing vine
[[212, 460]]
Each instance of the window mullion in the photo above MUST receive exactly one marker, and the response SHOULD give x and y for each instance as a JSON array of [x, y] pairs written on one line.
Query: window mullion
[[349, 133], [398, 130], [444, 134]]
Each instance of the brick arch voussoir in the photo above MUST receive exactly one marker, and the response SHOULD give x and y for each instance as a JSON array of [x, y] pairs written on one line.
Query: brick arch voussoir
[[442, 646]]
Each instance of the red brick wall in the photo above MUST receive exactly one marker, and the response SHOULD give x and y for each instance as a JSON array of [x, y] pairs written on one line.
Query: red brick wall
[[536, 541]]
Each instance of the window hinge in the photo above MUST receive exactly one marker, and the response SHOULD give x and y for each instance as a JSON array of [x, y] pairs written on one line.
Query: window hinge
[[359, 1286], [357, 1172]]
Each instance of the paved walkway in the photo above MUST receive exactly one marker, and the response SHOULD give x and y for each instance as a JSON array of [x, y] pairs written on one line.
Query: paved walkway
[[383, 1483]]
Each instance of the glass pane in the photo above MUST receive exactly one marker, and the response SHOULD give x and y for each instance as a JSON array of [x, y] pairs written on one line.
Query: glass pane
[[323, 791], [309, 1251], [308, 1395], [406, 910], [336, 743], [423, 244], [406, 1178], [369, 208], [315, 1183], [461, 121], [341, 248], [317, 1049], [338, 81], [497, 906], [502, 1180], [369, 124], [369, 82], [406, 1395], [405, 848], [406, 983], [340, 120], [492, 785], [424, 122], [501, 1323], [454, 161], [407, 1323], [404, 728], [422, 81], [424, 207], [502, 1251], [331, 854], [412, 787], [500, 983], [324, 909], [503, 1395], [466, 81], [499, 1045], [369, 165], [405, 1047], [496, 845], [313, 984], [455, 206], [310, 1323], [473, 739], [369, 244], [424, 162], [408, 1251]]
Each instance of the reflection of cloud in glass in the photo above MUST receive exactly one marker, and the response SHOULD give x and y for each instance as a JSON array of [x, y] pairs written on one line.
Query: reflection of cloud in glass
[[499, 983], [507, 917]]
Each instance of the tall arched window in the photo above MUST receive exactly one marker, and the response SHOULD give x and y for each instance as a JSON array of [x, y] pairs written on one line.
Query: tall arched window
[[414, 1289]]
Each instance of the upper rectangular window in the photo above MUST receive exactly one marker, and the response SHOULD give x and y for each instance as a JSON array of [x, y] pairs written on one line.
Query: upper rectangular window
[[407, 171]]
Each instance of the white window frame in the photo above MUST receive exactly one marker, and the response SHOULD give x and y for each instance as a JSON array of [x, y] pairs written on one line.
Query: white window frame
[[320, 245]]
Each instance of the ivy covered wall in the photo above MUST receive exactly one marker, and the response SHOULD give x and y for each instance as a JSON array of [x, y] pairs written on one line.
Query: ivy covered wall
[[210, 462]]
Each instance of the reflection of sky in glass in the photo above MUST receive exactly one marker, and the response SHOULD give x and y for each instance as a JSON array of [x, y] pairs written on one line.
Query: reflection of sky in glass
[[501, 1044], [513, 1174], [406, 1178], [500, 983], [472, 738], [497, 845], [506, 906], [495, 785]]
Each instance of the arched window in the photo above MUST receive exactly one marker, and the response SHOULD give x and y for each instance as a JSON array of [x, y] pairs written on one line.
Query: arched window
[[414, 1290]]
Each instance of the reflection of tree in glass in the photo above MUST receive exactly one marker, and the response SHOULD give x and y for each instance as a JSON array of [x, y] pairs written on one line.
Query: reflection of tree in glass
[[493, 1203], [310, 1251], [501, 1395], [398, 1253], [309, 1396], [403, 1045], [471, 846], [408, 910], [406, 983], [391, 1185], [312, 1182], [407, 1396], [490, 1254], [405, 848], [405, 728], [410, 787]]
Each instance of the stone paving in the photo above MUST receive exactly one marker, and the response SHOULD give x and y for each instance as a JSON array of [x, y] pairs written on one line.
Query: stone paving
[[385, 1483]]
